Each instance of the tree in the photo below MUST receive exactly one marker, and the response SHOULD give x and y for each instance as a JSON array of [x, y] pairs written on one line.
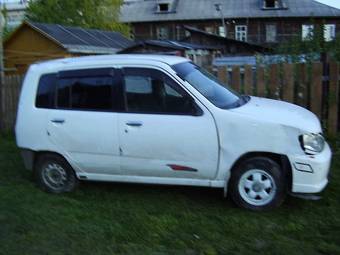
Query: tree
[[98, 14]]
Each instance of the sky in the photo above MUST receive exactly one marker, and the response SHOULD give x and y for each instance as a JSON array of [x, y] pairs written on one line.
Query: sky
[[334, 3]]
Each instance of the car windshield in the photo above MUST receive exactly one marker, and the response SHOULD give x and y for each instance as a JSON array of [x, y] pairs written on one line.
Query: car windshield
[[209, 86]]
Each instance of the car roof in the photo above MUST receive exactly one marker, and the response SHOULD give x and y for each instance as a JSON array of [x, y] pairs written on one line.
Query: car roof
[[114, 59]]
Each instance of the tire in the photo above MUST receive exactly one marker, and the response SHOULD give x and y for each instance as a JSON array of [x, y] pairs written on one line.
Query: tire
[[258, 184], [54, 175]]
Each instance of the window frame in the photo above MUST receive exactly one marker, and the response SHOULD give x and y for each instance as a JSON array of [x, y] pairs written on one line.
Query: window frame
[[92, 73], [55, 91], [245, 32], [178, 88], [332, 36], [310, 35], [275, 38]]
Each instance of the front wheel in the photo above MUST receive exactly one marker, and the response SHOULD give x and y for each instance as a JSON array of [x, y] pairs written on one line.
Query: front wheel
[[258, 184]]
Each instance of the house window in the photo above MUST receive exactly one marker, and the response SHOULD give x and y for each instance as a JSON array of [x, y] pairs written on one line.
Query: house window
[[164, 7], [241, 33], [307, 32], [271, 33], [329, 32], [162, 33], [209, 30], [221, 31], [271, 4]]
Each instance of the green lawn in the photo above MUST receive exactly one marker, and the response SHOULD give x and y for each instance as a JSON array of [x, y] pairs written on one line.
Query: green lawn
[[136, 219]]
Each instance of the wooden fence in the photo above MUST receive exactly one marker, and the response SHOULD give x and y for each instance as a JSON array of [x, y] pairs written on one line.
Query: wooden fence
[[9, 100], [314, 86]]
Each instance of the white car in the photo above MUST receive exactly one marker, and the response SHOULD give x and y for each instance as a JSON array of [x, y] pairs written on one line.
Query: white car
[[164, 120]]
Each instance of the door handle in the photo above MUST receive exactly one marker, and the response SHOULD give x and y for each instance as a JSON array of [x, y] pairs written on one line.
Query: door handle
[[58, 121], [134, 123]]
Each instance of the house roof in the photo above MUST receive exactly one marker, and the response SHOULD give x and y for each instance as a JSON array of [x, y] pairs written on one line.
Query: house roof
[[146, 10], [174, 45], [80, 40], [227, 40]]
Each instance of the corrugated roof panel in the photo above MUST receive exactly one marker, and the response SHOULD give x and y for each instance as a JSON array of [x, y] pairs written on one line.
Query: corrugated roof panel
[[205, 9], [90, 40]]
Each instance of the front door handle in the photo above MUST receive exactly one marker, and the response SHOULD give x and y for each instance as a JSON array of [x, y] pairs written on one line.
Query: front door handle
[[134, 123], [58, 121]]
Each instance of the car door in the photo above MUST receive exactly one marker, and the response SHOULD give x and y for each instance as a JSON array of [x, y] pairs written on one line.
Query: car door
[[163, 131], [83, 127]]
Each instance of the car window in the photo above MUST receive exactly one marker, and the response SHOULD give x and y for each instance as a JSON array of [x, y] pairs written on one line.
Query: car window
[[86, 90], [46, 91], [152, 91]]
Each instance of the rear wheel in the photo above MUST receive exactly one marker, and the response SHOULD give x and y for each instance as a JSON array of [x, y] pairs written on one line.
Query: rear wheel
[[53, 174], [258, 184]]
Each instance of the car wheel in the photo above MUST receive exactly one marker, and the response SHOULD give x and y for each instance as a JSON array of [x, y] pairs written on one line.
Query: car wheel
[[53, 174], [258, 184]]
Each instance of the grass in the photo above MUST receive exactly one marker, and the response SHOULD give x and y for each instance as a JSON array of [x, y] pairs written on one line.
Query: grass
[[136, 219]]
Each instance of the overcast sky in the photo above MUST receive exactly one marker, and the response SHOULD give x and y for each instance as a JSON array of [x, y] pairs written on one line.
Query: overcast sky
[[334, 3]]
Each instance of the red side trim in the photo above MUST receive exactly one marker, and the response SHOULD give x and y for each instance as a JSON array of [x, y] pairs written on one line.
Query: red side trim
[[181, 168]]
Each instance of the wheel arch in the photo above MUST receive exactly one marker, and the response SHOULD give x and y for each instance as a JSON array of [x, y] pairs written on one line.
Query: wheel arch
[[281, 159]]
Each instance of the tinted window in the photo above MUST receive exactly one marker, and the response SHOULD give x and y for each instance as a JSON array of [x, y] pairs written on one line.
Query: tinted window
[[46, 91], [209, 86], [151, 91], [86, 92]]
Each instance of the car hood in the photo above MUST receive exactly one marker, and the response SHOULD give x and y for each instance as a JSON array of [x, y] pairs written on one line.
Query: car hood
[[280, 112]]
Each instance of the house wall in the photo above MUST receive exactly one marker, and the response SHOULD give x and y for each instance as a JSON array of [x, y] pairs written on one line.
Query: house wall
[[287, 28], [27, 46]]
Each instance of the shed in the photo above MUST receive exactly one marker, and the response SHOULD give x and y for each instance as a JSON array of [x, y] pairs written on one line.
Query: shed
[[32, 42], [199, 54], [229, 46]]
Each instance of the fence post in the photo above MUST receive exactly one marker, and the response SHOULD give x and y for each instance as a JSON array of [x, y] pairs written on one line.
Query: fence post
[[260, 82], [288, 83], [273, 81], [333, 98], [248, 80], [316, 90], [222, 74], [236, 79]]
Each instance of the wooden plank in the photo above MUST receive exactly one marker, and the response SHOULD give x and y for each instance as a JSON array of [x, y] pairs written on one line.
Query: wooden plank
[[260, 82], [316, 89], [333, 98], [288, 83], [236, 79], [222, 74], [273, 81], [302, 90], [248, 80]]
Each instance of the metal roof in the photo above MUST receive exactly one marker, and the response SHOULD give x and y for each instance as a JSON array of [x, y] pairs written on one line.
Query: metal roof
[[175, 45], [80, 40], [145, 10]]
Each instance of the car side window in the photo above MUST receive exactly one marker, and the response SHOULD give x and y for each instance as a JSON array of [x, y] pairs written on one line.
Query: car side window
[[89, 90], [46, 91], [152, 91]]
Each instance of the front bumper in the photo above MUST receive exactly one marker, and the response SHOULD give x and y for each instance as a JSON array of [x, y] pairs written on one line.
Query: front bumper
[[310, 172]]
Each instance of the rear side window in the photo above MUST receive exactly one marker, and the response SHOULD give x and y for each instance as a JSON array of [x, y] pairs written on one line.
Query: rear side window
[[87, 90], [46, 91]]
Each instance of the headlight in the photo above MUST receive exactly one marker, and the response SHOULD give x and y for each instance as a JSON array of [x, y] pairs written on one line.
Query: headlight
[[312, 143]]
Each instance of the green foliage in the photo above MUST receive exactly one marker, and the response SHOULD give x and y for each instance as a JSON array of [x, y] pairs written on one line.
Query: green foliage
[[99, 14], [310, 48], [137, 219]]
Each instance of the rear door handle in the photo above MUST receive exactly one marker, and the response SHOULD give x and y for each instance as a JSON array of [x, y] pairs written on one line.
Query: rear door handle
[[58, 121], [134, 123]]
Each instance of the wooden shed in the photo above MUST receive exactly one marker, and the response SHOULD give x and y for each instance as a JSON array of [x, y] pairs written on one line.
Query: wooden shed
[[32, 42]]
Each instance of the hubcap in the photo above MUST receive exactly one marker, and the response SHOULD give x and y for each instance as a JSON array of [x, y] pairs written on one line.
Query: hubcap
[[54, 176], [257, 187]]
